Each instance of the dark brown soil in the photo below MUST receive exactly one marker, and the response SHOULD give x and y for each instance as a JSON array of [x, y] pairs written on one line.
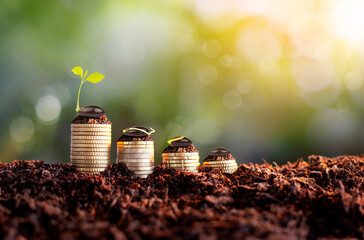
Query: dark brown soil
[[125, 138], [91, 120], [323, 198], [171, 149], [219, 158]]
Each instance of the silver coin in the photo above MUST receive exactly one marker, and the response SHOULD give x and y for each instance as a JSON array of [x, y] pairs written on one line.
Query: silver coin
[[135, 146], [151, 148], [91, 134], [99, 138], [77, 153], [184, 169], [221, 162], [146, 151], [180, 160], [123, 157], [90, 169], [220, 165], [228, 170], [90, 146], [181, 164], [139, 164], [89, 173], [135, 155], [73, 157], [181, 167], [140, 160], [88, 141], [191, 171], [224, 168], [90, 149], [94, 162], [217, 166], [136, 151], [90, 165]]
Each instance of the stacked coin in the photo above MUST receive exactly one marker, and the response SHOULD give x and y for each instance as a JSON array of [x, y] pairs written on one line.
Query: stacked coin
[[90, 147], [221, 158], [228, 166], [181, 154], [186, 161], [138, 156]]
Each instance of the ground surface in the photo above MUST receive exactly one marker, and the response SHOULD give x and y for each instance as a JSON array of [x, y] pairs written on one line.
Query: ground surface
[[323, 198]]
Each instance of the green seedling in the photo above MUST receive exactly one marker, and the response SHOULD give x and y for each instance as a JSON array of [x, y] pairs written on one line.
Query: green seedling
[[94, 78], [175, 139], [139, 129]]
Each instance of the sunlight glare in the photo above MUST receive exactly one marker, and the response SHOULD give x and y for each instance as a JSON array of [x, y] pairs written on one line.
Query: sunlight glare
[[348, 18]]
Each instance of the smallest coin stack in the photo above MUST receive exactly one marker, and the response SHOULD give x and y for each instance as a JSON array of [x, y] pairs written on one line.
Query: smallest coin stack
[[181, 155], [220, 158], [135, 148]]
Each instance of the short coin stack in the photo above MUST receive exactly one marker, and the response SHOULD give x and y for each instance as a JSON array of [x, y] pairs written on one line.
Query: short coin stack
[[90, 147], [221, 158], [228, 166], [181, 155], [187, 161]]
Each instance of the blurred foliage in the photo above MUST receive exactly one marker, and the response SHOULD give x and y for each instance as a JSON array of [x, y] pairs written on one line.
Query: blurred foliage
[[266, 79]]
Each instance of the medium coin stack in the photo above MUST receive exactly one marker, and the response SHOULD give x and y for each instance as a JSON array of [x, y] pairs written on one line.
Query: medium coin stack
[[90, 147], [187, 161], [138, 156], [221, 158]]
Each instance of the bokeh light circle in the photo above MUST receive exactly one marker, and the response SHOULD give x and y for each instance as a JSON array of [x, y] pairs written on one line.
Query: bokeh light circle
[[313, 76], [244, 85], [353, 80], [21, 129], [258, 45], [48, 108], [185, 43], [226, 61], [212, 48], [232, 100], [207, 74]]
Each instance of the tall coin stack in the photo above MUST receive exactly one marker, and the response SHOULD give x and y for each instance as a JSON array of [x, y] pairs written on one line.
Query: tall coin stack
[[135, 148], [221, 158], [90, 143], [181, 155]]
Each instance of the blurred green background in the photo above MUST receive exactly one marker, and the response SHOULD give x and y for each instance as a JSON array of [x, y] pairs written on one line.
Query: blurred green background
[[274, 80]]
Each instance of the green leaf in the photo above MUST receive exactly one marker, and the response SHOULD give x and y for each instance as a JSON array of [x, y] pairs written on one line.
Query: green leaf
[[84, 76], [95, 77], [78, 71]]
